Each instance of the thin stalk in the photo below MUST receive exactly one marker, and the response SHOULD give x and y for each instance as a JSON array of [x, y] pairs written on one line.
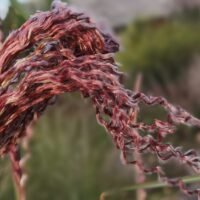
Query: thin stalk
[[139, 175], [17, 173], [150, 185]]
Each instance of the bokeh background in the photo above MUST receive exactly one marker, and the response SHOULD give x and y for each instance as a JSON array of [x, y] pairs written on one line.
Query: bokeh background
[[72, 157]]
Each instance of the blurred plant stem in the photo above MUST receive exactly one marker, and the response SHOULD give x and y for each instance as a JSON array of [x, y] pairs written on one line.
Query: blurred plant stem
[[18, 163], [17, 172], [139, 175], [150, 185]]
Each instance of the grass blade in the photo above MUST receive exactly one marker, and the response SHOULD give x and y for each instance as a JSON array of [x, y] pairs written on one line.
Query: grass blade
[[150, 185]]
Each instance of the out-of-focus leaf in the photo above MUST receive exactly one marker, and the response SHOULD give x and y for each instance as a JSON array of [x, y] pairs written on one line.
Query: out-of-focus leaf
[[160, 48]]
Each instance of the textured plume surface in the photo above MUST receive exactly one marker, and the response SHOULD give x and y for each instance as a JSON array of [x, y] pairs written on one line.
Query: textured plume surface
[[61, 51]]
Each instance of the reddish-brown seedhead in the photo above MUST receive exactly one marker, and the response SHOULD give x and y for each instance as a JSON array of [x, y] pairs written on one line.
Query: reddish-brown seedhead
[[61, 51]]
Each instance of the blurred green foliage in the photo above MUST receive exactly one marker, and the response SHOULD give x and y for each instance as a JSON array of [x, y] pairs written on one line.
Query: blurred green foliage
[[160, 48], [66, 163], [15, 17]]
